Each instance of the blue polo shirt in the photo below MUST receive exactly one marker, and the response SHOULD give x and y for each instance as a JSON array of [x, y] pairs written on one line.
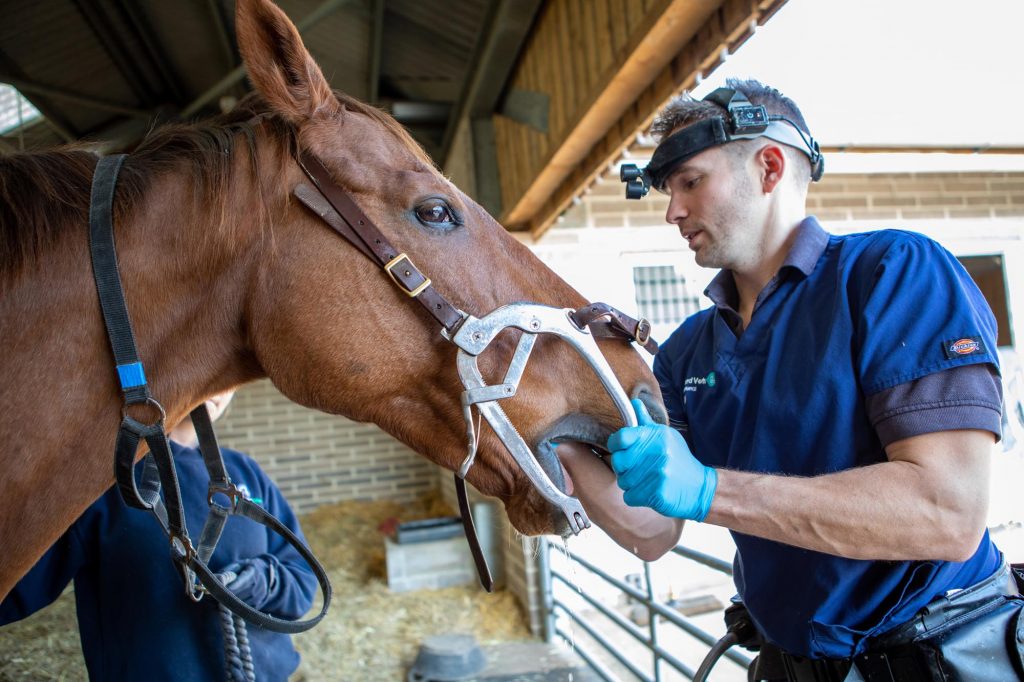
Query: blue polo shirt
[[849, 327], [134, 619]]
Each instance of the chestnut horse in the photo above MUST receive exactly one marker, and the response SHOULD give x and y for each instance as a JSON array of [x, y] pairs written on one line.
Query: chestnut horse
[[228, 279]]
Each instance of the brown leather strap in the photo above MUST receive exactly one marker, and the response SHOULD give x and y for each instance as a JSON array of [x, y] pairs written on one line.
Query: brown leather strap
[[351, 223], [609, 322], [474, 542]]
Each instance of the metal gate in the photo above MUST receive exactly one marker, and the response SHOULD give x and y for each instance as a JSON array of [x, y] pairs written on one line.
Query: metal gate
[[624, 646]]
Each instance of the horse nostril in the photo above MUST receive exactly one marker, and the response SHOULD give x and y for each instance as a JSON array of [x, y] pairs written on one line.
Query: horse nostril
[[652, 403]]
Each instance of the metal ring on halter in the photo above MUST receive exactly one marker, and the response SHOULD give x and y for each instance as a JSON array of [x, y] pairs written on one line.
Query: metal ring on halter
[[149, 401], [229, 491]]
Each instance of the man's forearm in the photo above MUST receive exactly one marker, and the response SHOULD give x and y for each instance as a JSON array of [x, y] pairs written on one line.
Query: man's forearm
[[896, 510]]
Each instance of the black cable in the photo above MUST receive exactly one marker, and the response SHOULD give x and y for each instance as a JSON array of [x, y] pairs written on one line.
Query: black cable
[[716, 652]]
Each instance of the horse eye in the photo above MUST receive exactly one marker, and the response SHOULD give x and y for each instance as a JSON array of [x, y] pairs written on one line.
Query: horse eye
[[435, 212]]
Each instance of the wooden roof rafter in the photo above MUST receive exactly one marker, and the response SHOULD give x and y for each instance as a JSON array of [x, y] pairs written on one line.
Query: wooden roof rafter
[[607, 67]]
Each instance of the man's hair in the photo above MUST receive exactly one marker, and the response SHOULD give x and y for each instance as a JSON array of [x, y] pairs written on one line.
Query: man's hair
[[684, 110]]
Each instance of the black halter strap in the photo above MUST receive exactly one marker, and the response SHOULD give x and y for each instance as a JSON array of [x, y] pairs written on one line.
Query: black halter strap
[[158, 467]]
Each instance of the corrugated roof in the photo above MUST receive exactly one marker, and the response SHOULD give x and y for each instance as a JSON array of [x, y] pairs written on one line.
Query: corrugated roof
[[103, 68]]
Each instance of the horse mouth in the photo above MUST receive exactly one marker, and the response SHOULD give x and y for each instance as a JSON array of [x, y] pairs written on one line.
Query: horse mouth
[[572, 428], [588, 432]]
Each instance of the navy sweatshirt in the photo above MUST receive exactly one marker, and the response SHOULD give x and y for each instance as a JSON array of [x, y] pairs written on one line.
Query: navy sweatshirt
[[134, 618]]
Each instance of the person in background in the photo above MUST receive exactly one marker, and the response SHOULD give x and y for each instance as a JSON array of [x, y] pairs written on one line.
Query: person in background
[[836, 409], [135, 620]]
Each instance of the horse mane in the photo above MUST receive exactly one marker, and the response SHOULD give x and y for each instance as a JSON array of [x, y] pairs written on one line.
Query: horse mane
[[43, 193]]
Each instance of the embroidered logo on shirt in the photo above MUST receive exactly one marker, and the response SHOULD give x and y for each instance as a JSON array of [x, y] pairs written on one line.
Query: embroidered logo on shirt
[[692, 383], [967, 345]]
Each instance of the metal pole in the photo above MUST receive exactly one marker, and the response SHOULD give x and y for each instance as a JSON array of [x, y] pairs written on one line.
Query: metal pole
[[652, 622], [546, 594]]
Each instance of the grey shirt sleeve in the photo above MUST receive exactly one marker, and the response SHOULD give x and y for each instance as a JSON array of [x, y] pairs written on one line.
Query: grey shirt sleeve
[[965, 397]]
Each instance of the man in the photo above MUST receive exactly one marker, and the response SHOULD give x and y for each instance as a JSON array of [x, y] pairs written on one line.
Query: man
[[835, 409], [135, 620]]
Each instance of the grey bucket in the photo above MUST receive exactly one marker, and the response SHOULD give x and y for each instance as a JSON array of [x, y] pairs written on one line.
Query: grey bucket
[[447, 658]]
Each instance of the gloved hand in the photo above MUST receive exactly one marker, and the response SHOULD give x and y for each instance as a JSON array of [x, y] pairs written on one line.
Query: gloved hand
[[655, 469], [253, 581]]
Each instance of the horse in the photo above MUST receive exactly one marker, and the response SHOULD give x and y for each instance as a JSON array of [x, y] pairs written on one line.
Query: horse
[[228, 279]]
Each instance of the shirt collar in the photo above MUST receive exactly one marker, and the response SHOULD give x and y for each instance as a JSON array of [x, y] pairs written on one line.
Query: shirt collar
[[810, 243]]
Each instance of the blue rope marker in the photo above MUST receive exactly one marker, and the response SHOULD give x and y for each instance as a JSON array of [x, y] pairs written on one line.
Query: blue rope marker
[[131, 375]]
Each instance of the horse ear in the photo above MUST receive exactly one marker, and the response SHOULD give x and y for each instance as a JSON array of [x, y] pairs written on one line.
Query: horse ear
[[279, 65]]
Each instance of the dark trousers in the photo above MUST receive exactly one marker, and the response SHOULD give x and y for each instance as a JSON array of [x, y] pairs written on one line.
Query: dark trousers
[[972, 635]]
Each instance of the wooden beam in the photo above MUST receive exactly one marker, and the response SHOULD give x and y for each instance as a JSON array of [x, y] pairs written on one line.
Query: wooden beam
[[657, 39], [507, 25], [50, 92], [729, 25], [376, 44]]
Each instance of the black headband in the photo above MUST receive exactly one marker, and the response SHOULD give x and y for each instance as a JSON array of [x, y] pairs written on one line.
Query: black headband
[[683, 145], [745, 121]]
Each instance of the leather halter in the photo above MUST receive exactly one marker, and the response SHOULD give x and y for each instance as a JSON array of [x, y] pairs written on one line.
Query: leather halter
[[335, 207]]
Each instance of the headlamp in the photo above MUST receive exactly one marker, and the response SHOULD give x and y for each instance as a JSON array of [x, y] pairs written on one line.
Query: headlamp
[[744, 121]]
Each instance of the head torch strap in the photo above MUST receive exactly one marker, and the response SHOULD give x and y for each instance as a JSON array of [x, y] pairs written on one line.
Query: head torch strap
[[743, 121], [682, 146]]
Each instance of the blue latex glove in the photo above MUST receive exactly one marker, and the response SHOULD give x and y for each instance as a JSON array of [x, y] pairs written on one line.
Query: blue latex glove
[[253, 581], [656, 469]]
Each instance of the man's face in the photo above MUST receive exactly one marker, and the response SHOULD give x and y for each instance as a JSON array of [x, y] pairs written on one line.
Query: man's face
[[714, 202]]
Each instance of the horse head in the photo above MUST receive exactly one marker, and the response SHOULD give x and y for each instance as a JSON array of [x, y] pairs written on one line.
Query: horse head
[[334, 333]]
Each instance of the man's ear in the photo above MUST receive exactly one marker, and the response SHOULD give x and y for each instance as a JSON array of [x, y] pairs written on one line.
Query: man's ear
[[279, 65], [772, 164]]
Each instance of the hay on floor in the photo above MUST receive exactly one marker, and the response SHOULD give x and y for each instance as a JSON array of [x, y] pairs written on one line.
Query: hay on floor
[[369, 634]]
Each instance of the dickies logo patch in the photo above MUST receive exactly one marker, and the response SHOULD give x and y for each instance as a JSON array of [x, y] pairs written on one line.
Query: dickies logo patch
[[967, 345]]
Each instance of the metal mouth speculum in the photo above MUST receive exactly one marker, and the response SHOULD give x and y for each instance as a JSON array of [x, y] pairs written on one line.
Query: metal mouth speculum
[[474, 336]]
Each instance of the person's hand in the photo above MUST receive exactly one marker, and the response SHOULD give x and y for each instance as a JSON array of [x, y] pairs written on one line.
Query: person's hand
[[656, 469], [251, 580]]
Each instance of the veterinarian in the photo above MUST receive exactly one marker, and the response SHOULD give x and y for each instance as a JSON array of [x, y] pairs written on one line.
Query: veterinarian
[[835, 408]]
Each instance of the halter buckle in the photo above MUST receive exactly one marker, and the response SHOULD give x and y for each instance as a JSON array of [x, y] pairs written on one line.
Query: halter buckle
[[411, 293], [643, 331]]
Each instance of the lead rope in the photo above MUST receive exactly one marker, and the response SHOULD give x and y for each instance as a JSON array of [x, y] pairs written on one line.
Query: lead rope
[[238, 664], [237, 654]]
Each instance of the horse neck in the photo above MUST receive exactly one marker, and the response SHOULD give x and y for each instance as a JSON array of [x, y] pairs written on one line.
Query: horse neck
[[185, 280]]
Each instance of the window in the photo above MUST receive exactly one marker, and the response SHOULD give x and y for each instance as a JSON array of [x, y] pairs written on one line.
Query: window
[[990, 276], [662, 294], [15, 110]]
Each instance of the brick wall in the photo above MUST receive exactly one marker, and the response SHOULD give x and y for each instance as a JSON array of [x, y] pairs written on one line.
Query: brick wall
[[317, 458], [917, 196], [837, 198]]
